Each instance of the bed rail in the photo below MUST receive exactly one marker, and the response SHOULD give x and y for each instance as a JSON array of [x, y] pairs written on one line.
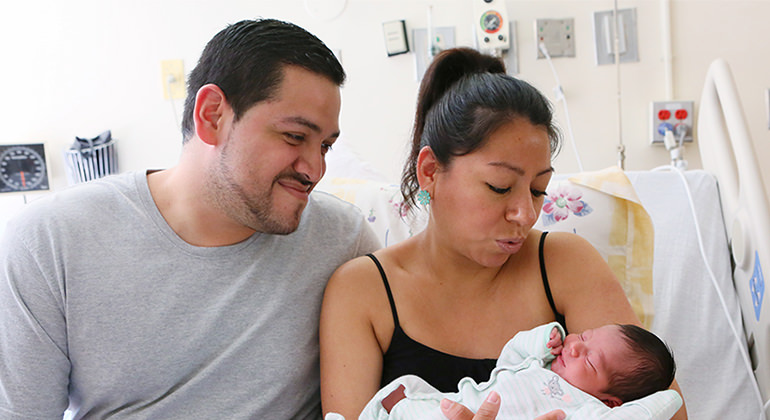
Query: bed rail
[[727, 151]]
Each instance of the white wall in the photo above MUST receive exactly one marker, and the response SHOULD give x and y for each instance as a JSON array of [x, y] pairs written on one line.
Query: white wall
[[78, 67]]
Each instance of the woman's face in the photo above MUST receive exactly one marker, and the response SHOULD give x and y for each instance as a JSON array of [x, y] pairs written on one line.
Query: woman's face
[[487, 201]]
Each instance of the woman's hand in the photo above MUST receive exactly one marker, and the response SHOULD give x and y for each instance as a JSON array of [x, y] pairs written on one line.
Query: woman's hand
[[487, 411]]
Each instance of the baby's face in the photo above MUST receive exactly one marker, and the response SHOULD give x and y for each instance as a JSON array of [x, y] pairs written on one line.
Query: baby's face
[[589, 359]]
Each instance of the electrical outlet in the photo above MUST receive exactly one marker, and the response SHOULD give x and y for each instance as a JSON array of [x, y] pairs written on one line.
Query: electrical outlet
[[558, 35], [172, 79], [674, 116]]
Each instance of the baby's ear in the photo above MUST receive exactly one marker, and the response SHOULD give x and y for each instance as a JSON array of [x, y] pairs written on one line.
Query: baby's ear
[[612, 402]]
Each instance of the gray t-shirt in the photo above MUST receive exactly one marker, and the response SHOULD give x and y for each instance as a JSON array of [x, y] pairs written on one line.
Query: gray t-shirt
[[105, 309]]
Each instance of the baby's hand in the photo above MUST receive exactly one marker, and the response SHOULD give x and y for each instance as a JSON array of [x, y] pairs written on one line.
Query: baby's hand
[[555, 343]]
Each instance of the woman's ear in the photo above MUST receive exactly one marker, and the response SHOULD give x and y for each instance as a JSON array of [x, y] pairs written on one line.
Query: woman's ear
[[211, 113], [427, 167]]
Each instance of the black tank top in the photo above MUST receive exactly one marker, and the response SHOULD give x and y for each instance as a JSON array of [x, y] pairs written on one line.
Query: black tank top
[[441, 370]]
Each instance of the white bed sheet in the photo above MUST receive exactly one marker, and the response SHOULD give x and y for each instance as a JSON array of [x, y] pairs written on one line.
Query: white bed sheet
[[688, 312]]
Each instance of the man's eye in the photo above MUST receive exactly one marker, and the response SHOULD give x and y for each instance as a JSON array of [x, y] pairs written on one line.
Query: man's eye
[[295, 137], [325, 148], [537, 193], [498, 190]]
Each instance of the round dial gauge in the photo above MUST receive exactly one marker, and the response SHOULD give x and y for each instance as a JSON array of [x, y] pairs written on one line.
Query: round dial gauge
[[491, 21], [22, 168]]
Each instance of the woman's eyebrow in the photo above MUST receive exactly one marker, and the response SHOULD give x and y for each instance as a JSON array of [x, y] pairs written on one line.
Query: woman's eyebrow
[[519, 170]]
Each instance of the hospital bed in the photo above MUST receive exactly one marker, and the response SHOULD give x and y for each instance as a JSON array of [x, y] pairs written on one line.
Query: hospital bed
[[699, 239]]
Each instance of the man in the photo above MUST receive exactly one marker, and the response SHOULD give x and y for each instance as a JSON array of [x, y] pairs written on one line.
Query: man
[[192, 292]]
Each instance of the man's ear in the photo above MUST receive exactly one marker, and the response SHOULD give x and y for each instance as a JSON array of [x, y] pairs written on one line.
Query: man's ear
[[211, 113], [427, 167], [612, 402]]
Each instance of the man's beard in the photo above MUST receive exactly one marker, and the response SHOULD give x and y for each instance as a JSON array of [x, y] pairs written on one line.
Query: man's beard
[[254, 210]]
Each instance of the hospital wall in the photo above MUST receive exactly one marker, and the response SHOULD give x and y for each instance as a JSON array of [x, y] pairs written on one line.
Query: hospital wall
[[79, 67]]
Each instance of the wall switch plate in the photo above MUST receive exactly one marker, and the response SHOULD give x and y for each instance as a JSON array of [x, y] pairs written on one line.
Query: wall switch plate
[[172, 78], [443, 38], [604, 36], [558, 35], [676, 116]]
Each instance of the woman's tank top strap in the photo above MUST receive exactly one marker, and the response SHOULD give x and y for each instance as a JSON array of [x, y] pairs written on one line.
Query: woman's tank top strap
[[559, 317], [387, 288]]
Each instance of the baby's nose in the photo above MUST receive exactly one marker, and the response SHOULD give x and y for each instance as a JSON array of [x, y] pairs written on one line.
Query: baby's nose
[[576, 349]]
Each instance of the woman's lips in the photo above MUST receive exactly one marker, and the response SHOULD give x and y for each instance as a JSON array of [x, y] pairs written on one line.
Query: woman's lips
[[510, 246]]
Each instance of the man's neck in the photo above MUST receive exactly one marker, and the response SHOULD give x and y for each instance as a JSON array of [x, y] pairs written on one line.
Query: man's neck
[[182, 200]]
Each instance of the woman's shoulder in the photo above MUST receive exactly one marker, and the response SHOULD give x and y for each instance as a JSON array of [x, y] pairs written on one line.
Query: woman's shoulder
[[578, 274], [355, 271], [356, 293], [555, 246], [571, 261], [567, 245]]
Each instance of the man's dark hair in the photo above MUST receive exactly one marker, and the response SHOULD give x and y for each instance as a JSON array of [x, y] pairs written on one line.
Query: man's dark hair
[[246, 61], [652, 369]]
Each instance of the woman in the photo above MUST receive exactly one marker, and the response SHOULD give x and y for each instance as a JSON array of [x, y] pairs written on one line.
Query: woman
[[442, 304]]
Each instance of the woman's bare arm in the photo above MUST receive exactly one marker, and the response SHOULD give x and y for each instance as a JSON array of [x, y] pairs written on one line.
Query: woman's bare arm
[[351, 357]]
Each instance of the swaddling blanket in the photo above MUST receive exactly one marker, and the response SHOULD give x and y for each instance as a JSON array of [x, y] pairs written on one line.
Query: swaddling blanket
[[527, 386]]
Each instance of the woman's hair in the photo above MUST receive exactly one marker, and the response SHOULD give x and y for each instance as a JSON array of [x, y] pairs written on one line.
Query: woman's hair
[[464, 97], [652, 367], [246, 61]]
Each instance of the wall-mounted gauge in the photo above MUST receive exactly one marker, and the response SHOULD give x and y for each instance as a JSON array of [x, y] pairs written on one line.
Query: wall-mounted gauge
[[491, 21], [23, 168], [492, 26]]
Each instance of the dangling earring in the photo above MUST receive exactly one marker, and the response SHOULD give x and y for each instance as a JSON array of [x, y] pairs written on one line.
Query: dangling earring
[[423, 197]]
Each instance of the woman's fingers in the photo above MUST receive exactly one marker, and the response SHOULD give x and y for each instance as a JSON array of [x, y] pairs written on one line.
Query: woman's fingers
[[487, 411], [553, 415]]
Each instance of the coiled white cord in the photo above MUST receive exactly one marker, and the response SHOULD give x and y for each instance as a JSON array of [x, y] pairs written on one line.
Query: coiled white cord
[[744, 352]]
